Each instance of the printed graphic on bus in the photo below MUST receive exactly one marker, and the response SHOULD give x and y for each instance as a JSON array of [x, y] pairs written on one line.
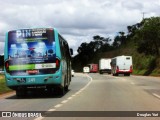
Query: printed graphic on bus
[[31, 52]]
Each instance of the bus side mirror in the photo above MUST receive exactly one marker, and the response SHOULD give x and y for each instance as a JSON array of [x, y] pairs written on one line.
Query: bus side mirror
[[71, 51]]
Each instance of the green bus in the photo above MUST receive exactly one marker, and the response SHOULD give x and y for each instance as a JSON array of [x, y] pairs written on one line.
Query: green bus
[[37, 58]]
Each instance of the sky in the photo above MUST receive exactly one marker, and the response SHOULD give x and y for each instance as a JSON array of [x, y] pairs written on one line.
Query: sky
[[76, 20]]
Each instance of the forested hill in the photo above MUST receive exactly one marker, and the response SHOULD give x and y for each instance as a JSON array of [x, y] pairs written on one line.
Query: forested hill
[[142, 42]]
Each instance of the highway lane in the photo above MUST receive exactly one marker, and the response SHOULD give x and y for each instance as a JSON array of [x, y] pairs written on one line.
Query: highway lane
[[121, 93], [149, 84], [94, 92], [42, 101]]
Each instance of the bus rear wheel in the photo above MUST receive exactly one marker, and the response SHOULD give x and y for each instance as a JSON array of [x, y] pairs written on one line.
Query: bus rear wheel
[[59, 90], [21, 92], [66, 88]]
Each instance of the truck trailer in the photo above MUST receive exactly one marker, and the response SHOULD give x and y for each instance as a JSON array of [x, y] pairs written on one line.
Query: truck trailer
[[93, 68], [104, 65]]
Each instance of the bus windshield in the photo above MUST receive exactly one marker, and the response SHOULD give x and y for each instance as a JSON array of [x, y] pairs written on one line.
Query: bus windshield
[[31, 51]]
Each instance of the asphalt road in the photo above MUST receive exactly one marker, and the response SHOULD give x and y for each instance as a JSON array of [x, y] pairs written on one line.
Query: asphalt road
[[92, 95]]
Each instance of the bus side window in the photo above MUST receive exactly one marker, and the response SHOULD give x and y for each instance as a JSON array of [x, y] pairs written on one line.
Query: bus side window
[[66, 49], [61, 46]]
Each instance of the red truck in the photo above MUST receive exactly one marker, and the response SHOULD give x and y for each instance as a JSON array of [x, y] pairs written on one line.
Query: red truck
[[93, 68]]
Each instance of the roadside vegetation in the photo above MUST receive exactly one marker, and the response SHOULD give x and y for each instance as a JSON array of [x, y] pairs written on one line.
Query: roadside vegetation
[[142, 42], [3, 87]]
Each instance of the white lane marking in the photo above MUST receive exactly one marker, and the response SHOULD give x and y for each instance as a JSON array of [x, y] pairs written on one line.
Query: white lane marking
[[89, 82], [73, 95], [51, 109], [158, 96], [81, 90], [58, 105], [77, 93], [69, 98], [65, 101]]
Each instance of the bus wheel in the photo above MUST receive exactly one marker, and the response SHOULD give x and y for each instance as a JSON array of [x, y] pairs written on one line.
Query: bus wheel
[[21, 92], [66, 84], [116, 74], [66, 88], [59, 90], [128, 74]]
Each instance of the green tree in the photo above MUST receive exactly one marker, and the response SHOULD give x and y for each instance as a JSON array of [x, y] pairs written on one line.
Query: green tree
[[116, 42], [149, 36], [119, 40], [87, 51]]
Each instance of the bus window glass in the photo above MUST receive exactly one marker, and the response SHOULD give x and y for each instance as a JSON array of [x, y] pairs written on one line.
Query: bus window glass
[[127, 58]]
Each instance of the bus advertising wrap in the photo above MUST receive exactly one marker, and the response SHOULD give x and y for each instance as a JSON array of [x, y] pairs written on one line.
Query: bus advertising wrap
[[31, 52]]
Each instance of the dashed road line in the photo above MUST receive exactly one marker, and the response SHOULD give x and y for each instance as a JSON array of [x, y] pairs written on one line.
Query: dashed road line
[[73, 95], [51, 109], [69, 98], [64, 101], [58, 105]]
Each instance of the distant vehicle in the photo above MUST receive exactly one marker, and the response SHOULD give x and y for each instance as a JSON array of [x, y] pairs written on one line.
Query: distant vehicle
[[105, 65], [72, 73], [122, 65], [93, 68], [1, 72], [86, 69], [37, 58]]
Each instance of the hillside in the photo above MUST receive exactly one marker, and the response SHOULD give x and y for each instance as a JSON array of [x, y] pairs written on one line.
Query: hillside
[[142, 42], [142, 64]]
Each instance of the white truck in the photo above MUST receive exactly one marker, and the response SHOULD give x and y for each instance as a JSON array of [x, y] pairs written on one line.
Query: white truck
[[104, 65], [121, 65]]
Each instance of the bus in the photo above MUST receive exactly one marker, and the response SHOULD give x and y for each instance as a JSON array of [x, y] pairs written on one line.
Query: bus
[[121, 65], [37, 58]]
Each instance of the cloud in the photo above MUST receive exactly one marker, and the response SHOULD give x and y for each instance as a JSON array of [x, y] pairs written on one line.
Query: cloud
[[77, 20], [1, 48], [132, 5]]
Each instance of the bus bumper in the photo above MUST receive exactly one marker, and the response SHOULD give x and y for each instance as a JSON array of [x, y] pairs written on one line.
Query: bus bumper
[[29, 81]]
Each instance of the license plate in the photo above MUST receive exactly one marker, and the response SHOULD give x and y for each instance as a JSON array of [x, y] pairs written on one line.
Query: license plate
[[21, 80]]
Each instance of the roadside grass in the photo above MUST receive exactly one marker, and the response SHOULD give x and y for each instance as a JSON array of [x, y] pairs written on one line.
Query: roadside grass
[[3, 87], [143, 72], [139, 72]]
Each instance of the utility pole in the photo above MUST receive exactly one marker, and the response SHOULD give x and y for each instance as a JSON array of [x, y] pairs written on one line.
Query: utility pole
[[143, 13]]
